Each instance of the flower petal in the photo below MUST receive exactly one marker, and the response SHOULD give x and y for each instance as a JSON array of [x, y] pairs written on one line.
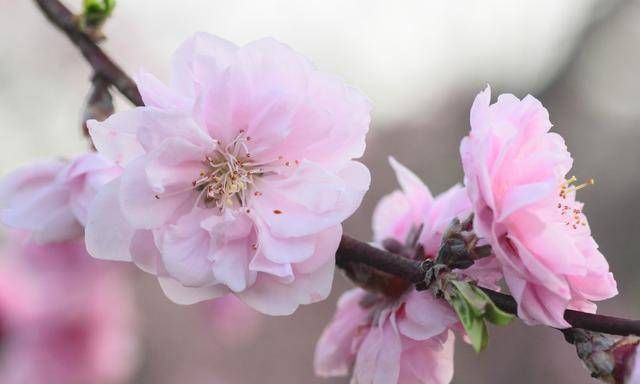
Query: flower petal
[[311, 199], [116, 138], [108, 235], [143, 207]]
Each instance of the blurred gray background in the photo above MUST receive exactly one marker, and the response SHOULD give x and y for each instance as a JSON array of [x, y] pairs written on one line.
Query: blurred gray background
[[421, 62]]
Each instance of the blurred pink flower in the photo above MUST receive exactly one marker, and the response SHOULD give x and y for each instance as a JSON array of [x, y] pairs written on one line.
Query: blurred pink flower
[[633, 369], [402, 211], [515, 173], [69, 319], [237, 177], [382, 340], [50, 198], [232, 321]]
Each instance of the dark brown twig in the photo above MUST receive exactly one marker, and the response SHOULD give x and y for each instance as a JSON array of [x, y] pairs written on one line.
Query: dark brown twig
[[350, 249], [102, 65]]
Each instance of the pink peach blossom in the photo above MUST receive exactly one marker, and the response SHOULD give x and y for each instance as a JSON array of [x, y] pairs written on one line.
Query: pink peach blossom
[[516, 176], [74, 322], [413, 206], [408, 339], [50, 198], [236, 177], [391, 341]]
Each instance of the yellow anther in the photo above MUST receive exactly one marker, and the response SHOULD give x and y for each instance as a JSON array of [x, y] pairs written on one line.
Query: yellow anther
[[585, 184]]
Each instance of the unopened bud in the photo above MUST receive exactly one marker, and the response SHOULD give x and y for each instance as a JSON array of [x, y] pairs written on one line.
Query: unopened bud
[[608, 358]]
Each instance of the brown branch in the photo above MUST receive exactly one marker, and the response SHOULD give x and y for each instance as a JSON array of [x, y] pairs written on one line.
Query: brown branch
[[350, 249], [102, 65]]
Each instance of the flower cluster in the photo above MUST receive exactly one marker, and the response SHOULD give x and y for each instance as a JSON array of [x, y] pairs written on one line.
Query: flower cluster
[[235, 180], [523, 207], [407, 338]]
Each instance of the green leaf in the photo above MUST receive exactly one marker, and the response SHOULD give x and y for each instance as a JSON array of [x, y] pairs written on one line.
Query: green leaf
[[473, 324], [95, 12], [476, 301], [482, 303], [496, 315], [473, 307]]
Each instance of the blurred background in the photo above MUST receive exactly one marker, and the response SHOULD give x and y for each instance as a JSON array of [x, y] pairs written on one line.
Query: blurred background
[[421, 63]]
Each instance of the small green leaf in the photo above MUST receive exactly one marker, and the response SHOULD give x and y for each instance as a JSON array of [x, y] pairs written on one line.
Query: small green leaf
[[95, 12], [472, 323], [497, 316], [482, 304], [473, 307], [476, 301]]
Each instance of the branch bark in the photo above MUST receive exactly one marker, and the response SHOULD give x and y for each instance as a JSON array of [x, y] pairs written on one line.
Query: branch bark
[[102, 65], [350, 249]]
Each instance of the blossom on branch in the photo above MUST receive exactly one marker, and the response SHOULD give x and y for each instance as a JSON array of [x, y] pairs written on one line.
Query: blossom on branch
[[397, 334], [388, 340], [525, 207], [236, 177], [50, 198]]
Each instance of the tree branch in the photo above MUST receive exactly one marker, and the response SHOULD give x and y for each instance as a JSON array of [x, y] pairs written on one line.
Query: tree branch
[[102, 65], [350, 249]]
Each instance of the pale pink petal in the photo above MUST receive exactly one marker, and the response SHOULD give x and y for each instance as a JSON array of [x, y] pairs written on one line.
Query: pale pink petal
[[187, 252], [272, 297], [143, 207], [311, 199], [392, 217], [108, 235], [159, 125], [285, 250], [333, 354], [414, 189], [60, 225], [426, 363], [144, 252], [426, 316], [182, 295], [198, 62], [231, 265], [378, 360], [173, 166], [156, 94], [116, 138]]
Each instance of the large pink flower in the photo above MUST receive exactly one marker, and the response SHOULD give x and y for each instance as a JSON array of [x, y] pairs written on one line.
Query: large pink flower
[[516, 176], [236, 177], [50, 198], [67, 318], [381, 340]]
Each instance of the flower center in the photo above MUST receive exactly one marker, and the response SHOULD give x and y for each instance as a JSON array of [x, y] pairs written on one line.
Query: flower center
[[229, 173], [570, 210]]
